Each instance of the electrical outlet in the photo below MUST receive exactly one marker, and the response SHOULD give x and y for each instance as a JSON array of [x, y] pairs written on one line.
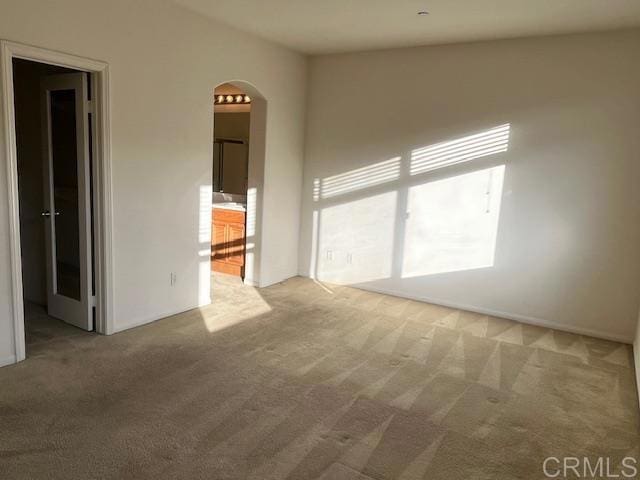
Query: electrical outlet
[[173, 279], [349, 258], [329, 254]]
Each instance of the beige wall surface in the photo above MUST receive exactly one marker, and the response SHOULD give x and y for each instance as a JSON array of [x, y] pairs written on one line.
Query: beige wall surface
[[540, 223], [164, 64]]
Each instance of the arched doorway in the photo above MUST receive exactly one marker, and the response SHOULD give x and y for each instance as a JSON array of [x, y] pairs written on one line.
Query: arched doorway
[[238, 156]]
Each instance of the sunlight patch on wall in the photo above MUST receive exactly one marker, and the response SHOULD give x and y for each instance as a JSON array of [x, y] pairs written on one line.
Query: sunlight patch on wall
[[204, 249], [358, 179], [355, 240], [465, 149], [452, 224], [252, 198], [250, 228], [204, 214], [313, 257]]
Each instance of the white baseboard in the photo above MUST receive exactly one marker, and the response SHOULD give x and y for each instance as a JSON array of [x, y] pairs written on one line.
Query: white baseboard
[[10, 360], [250, 282], [140, 323], [539, 322], [267, 282]]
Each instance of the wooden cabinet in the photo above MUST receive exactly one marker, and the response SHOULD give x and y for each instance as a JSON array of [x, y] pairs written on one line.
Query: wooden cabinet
[[228, 241]]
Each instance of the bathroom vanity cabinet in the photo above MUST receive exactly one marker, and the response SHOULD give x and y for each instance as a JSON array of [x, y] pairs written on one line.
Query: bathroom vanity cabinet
[[228, 241]]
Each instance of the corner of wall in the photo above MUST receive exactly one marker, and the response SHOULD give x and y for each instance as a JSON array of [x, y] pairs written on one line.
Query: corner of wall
[[305, 141]]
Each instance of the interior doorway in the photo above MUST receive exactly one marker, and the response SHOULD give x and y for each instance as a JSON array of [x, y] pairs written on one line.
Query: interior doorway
[[56, 133], [231, 141], [53, 145]]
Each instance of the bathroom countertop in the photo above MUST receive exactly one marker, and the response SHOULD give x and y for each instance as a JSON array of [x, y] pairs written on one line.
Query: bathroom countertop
[[230, 206]]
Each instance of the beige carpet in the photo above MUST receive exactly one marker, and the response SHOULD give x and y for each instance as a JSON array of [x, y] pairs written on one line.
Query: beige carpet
[[304, 381]]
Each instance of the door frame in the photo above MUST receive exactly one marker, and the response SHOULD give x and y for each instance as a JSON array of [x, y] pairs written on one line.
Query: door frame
[[253, 271], [102, 181]]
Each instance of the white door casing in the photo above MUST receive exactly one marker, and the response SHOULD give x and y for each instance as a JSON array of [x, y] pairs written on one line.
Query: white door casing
[[102, 183]]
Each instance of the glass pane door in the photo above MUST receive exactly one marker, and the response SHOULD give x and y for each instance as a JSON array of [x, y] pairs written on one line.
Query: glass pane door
[[65, 209]]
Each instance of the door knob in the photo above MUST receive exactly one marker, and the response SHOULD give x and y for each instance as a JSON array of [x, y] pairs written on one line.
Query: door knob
[[47, 213]]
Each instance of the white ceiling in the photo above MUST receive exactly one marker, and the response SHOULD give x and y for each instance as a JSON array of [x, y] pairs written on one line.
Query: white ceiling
[[327, 26]]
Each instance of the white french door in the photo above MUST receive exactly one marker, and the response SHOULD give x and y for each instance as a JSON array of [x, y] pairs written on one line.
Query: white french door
[[67, 204]]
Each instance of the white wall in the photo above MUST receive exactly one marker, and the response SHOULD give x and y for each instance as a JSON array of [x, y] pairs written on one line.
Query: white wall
[[567, 230], [164, 64]]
